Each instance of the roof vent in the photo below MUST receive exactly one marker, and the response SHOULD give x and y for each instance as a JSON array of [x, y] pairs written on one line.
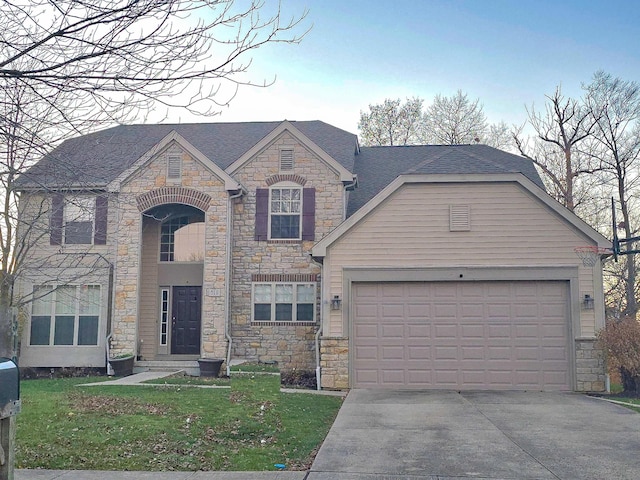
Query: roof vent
[[286, 160], [459, 218]]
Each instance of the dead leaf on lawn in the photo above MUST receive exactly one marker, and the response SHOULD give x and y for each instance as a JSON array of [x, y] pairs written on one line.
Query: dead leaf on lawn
[[113, 405]]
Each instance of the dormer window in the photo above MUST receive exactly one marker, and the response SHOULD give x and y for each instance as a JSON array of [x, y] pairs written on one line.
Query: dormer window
[[286, 160]]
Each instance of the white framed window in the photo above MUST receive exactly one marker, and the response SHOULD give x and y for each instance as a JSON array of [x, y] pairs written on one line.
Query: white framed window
[[286, 160], [285, 212], [65, 315], [284, 302], [79, 217]]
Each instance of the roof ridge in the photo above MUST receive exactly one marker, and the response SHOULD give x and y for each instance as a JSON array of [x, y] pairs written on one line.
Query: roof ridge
[[489, 161]]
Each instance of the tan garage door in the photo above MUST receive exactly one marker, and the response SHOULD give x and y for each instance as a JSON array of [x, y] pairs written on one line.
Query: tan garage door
[[461, 335]]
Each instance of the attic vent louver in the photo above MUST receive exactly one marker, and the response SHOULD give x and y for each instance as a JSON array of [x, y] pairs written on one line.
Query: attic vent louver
[[286, 160], [174, 165], [459, 218]]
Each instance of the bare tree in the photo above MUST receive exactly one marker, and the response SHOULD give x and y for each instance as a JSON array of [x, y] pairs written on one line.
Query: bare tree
[[454, 120], [615, 107], [69, 67], [498, 135], [391, 123], [138, 52], [559, 131]]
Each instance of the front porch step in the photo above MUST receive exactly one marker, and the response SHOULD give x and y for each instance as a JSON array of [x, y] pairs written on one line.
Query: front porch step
[[190, 367]]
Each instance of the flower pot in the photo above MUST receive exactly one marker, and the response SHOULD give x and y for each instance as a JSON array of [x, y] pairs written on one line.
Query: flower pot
[[122, 367], [210, 367]]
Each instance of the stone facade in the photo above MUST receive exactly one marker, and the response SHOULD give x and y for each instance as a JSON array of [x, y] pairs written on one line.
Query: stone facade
[[292, 345], [334, 354], [195, 185], [590, 366]]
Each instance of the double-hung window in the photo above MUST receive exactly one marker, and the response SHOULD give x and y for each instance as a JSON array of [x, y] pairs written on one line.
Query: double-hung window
[[78, 219], [285, 210], [79, 215], [66, 315], [284, 302]]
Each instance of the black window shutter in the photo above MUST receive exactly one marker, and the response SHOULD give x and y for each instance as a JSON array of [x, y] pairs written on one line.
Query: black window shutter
[[308, 213], [57, 218], [262, 214], [100, 232]]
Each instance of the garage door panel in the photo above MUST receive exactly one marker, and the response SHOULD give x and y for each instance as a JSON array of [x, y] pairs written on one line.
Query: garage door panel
[[419, 353], [366, 330], [483, 335], [390, 332], [392, 353]]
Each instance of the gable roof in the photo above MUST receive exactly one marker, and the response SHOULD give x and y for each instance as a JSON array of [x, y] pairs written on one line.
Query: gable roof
[[175, 138], [377, 167], [319, 250], [96, 159]]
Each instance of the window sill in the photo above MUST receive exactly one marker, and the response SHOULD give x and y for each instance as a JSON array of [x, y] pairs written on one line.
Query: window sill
[[283, 324], [284, 241]]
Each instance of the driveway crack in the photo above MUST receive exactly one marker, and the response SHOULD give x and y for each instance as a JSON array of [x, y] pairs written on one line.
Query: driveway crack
[[506, 435]]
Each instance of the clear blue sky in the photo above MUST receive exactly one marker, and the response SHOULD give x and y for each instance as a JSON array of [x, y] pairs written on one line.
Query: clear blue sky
[[506, 53]]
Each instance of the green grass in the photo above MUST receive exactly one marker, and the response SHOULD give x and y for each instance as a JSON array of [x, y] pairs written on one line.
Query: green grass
[[182, 379], [250, 426]]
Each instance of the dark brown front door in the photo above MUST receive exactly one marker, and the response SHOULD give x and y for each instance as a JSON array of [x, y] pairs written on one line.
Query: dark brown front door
[[185, 322]]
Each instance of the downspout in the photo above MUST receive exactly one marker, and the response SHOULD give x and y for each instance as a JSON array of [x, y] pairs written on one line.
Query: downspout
[[348, 186], [109, 318], [227, 275], [319, 332]]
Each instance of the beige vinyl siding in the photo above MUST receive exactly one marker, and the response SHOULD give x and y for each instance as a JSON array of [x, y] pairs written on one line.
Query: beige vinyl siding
[[149, 309], [509, 227]]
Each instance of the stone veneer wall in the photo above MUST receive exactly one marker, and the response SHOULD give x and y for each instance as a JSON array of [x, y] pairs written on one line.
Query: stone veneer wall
[[334, 354], [291, 345], [590, 367], [334, 362], [128, 219]]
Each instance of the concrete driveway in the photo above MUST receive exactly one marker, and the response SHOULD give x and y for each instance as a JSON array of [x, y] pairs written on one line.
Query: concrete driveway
[[482, 435]]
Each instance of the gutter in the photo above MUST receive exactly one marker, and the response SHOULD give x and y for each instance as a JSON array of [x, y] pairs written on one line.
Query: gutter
[[227, 275], [348, 186]]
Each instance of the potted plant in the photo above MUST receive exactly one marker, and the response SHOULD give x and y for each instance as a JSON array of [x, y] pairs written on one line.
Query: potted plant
[[210, 367], [122, 364]]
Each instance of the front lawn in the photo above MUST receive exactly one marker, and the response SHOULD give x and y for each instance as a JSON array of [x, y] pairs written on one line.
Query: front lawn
[[250, 426]]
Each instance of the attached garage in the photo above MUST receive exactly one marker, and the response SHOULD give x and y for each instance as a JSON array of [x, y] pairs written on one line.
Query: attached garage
[[495, 335], [460, 281]]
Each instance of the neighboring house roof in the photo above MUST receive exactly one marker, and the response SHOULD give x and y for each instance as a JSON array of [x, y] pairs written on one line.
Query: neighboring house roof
[[94, 160], [377, 167]]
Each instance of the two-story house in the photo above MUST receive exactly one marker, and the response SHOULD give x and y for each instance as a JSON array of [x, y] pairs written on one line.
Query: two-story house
[[413, 267]]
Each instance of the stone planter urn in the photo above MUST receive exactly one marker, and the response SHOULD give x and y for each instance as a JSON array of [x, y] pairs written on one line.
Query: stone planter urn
[[210, 367], [122, 366]]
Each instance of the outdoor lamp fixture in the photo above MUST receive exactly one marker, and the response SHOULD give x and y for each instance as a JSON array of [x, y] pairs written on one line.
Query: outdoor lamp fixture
[[587, 302], [336, 302]]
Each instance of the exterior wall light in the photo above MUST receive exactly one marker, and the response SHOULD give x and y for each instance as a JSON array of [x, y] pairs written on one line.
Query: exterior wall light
[[336, 302], [587, 302]]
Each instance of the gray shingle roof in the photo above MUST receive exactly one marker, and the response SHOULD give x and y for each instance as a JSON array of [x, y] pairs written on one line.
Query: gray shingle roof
[[376, 167], [95, 159]]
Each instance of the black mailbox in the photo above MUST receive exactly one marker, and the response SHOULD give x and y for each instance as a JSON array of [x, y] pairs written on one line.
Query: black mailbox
[[9, 388]]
